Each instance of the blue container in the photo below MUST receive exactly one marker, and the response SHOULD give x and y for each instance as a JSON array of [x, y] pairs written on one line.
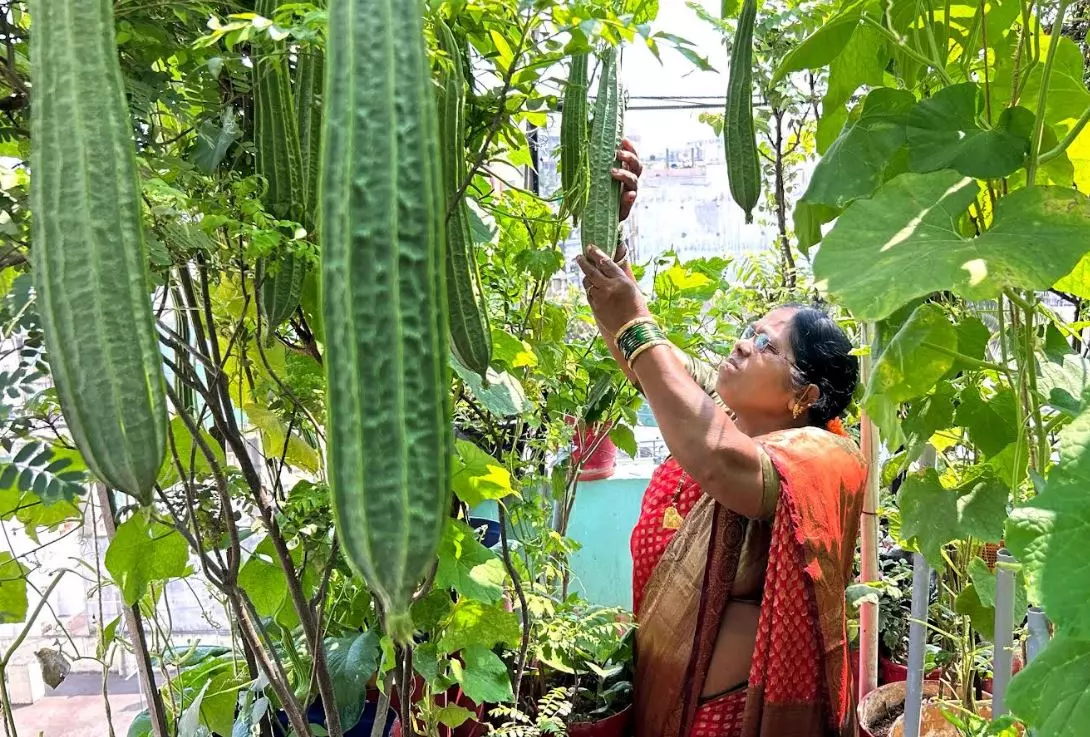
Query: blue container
[[491, 532], [316, 715]]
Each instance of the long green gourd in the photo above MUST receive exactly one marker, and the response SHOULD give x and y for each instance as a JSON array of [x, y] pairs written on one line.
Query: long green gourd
[[90, 268], [280, 163], [308, 117], [384, 299], [574, 151], [600, 219], [743, 168], [471, 337]]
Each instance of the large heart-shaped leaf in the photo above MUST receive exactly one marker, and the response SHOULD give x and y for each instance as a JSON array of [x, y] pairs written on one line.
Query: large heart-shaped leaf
[[855, 165], [934, 515], [904, 243], [944, 132], [1050, 692], [1049, 534], [918, 356]]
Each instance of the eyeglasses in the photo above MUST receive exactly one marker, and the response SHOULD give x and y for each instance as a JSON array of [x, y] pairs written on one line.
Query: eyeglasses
[[763, 344]]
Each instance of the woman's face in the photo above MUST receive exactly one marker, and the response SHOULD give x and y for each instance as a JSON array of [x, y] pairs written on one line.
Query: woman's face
[[758, 382]]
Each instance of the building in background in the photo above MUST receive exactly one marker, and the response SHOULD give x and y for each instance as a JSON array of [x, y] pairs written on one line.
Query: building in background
[[684, 204]]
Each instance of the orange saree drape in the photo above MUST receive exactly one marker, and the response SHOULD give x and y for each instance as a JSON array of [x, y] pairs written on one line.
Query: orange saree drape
[[800, 682]]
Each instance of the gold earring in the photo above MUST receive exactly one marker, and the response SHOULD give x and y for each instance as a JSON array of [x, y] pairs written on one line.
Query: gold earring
[[796, 410]]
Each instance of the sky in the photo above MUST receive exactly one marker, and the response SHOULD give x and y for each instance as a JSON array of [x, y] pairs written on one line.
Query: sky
[[645, 75]]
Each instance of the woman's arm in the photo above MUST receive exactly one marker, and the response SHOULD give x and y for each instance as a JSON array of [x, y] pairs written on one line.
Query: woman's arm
[[723, 460]]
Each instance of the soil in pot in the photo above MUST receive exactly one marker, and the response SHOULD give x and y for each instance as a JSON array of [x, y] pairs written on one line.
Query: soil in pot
[[879, 709]]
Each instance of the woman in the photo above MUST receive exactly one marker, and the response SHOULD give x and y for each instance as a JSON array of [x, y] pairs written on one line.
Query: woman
[[746, 536]]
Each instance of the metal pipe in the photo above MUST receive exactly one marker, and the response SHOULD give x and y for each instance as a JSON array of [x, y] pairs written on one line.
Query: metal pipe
[[1004, 631], [868, 530], [921, 589]]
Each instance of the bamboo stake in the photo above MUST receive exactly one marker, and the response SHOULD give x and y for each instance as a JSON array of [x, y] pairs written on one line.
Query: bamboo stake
[[868, 529]]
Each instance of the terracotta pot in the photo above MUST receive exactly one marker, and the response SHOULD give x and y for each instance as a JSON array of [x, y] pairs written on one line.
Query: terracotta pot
[[602, 463], [891, 672], [617, 725], [991, 551], [878, 710], [934, 724]]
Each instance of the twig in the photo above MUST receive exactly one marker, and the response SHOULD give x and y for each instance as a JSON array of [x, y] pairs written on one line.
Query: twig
[[505, 547]]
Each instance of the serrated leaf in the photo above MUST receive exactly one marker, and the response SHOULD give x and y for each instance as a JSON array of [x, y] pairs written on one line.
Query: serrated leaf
[[478, 477], [625, 439], [467, 566], [477, 623]]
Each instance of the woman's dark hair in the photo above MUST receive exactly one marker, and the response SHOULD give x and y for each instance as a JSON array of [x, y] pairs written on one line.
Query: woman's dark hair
[[823, 355]]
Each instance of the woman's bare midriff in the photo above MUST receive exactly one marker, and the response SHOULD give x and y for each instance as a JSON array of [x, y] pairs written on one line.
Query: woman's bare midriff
[[733, 652]]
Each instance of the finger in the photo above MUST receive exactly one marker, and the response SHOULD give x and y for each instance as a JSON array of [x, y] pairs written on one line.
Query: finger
[[590, 270], [626, 145], [607, 267], [628, 199], [630, 161], [627, 179]]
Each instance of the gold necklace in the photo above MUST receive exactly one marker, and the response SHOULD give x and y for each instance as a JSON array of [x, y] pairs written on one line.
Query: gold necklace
[[672, 519]]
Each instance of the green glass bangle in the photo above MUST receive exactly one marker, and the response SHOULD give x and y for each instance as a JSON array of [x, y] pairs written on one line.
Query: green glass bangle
[[635, 337]]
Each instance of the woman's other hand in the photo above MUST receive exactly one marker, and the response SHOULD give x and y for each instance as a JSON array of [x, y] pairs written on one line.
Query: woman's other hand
[[628, 174], [612, 293]]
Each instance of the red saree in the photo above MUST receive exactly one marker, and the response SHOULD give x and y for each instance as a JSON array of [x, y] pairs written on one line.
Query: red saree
[[800, 681]]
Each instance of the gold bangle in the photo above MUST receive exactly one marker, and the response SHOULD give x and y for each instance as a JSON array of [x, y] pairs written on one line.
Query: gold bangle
[[645, 320], [643, 349]]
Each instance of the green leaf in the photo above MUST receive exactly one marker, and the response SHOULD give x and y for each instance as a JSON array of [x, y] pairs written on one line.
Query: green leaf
[[904, 243], [264, 582], [808, 219], [928, 415], [912, 363], [477, 623], [213, 140], [855, 164], [143, 551], [822, 46], [1066, 385], [141, 726], [478, 477], [13, 600], [862, 62], [1048, 534], [274, 433], [623, 437], [510, 350], [1050, 693], [483, 676], [981, 616], [992, 422], [468, 567], [933, 515], [504, 395], [192, 459], [352, 661], [944, 132], [453, 716], [973, 337]]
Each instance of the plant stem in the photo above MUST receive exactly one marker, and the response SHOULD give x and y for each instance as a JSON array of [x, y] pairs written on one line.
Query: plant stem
[[908, 50], [1063, 145], [976, 362], [505, 547], [1042, 97]]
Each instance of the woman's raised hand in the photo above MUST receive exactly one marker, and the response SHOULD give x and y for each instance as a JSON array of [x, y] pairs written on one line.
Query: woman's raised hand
[[628, 174], [613, 295]]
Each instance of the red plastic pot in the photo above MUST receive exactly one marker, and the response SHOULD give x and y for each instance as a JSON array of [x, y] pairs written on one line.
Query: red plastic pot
[[602, 462], [890, 672], [617, 725], [1016, 665]]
